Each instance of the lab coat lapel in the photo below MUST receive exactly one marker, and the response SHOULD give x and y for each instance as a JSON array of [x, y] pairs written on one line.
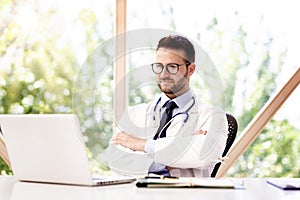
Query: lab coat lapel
[[153, 119]]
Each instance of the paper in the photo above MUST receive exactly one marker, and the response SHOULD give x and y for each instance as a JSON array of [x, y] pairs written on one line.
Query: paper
[[285, 183]]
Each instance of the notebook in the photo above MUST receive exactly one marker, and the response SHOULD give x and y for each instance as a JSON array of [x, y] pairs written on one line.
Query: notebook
[[185, 182], [49, 148]]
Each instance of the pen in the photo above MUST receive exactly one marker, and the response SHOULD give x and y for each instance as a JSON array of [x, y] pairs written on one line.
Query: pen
[[161, 177]]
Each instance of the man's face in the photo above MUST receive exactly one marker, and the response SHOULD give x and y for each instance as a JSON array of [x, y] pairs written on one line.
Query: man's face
[[173, 85]]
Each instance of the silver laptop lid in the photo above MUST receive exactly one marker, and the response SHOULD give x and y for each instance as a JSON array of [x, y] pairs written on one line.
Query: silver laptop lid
[[44, 148]]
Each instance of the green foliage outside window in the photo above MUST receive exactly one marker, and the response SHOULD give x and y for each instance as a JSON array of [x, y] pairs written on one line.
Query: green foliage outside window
[[39, 62]]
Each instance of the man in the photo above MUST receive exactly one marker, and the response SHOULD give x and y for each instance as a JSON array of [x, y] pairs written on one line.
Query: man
[[184, 137]]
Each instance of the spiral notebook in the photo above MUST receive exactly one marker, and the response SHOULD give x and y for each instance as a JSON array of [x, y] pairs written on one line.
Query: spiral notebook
[[185, 182]]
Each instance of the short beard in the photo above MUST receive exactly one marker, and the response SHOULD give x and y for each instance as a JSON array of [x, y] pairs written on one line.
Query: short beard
[[176, 88]]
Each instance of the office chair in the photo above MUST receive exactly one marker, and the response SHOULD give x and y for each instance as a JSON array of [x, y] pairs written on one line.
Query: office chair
[[232, 130]]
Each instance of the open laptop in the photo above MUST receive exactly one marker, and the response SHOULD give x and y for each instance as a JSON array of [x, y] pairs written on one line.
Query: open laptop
[[50, 148]]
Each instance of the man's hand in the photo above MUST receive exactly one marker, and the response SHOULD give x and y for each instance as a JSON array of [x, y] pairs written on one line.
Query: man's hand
[[128, 141], [201, 132]]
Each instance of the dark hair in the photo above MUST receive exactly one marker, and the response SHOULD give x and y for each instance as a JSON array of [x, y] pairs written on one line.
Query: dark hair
[[178, 42]]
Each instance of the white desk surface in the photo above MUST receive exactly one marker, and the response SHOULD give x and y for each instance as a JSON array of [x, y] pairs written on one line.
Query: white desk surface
[[257, 189]]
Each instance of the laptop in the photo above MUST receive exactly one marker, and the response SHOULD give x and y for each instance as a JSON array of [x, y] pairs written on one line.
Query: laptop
[[49, 148]]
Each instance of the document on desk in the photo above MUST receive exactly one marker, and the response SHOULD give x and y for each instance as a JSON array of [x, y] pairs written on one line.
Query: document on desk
[[285, 183], [183, 182]]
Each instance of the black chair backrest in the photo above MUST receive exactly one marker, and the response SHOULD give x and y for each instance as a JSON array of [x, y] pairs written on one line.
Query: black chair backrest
[[232, 131]]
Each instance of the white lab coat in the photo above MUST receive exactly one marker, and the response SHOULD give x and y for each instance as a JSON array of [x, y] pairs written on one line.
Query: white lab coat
[[187, 154]]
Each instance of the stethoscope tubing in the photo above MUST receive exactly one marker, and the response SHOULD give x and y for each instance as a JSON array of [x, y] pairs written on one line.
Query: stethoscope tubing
[[180, 113]]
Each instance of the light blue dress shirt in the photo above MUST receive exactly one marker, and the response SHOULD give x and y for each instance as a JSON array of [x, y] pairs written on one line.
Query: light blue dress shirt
[[181, 102]]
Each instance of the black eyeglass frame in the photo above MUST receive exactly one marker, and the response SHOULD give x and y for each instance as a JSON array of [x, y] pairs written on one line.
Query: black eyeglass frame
[[168, 66]]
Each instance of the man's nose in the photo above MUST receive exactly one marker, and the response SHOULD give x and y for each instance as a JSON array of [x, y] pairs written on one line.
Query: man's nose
[[165, 72]]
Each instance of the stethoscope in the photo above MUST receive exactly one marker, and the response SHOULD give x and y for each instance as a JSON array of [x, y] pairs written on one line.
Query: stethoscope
[[180, 113]]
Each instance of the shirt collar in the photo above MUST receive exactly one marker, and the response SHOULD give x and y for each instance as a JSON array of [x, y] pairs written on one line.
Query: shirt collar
[[181, 100]]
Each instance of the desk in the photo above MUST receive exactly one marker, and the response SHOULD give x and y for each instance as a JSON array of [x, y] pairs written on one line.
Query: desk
[[257, 189]]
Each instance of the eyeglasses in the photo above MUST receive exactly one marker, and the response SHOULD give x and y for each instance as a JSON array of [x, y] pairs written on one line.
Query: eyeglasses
[[172, 68]]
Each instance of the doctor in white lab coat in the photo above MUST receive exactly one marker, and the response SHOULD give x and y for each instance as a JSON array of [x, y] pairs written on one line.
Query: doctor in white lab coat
[[196, 136]]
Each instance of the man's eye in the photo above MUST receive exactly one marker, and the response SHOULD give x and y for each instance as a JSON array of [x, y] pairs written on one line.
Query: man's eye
[[172, 66]]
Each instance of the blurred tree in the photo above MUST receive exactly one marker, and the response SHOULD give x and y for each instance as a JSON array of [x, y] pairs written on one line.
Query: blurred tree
[[39, 58], [35, 74], [272, 154], [249, 75]]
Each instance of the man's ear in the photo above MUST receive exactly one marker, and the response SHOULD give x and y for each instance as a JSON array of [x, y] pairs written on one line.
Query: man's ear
[[191, 69]]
